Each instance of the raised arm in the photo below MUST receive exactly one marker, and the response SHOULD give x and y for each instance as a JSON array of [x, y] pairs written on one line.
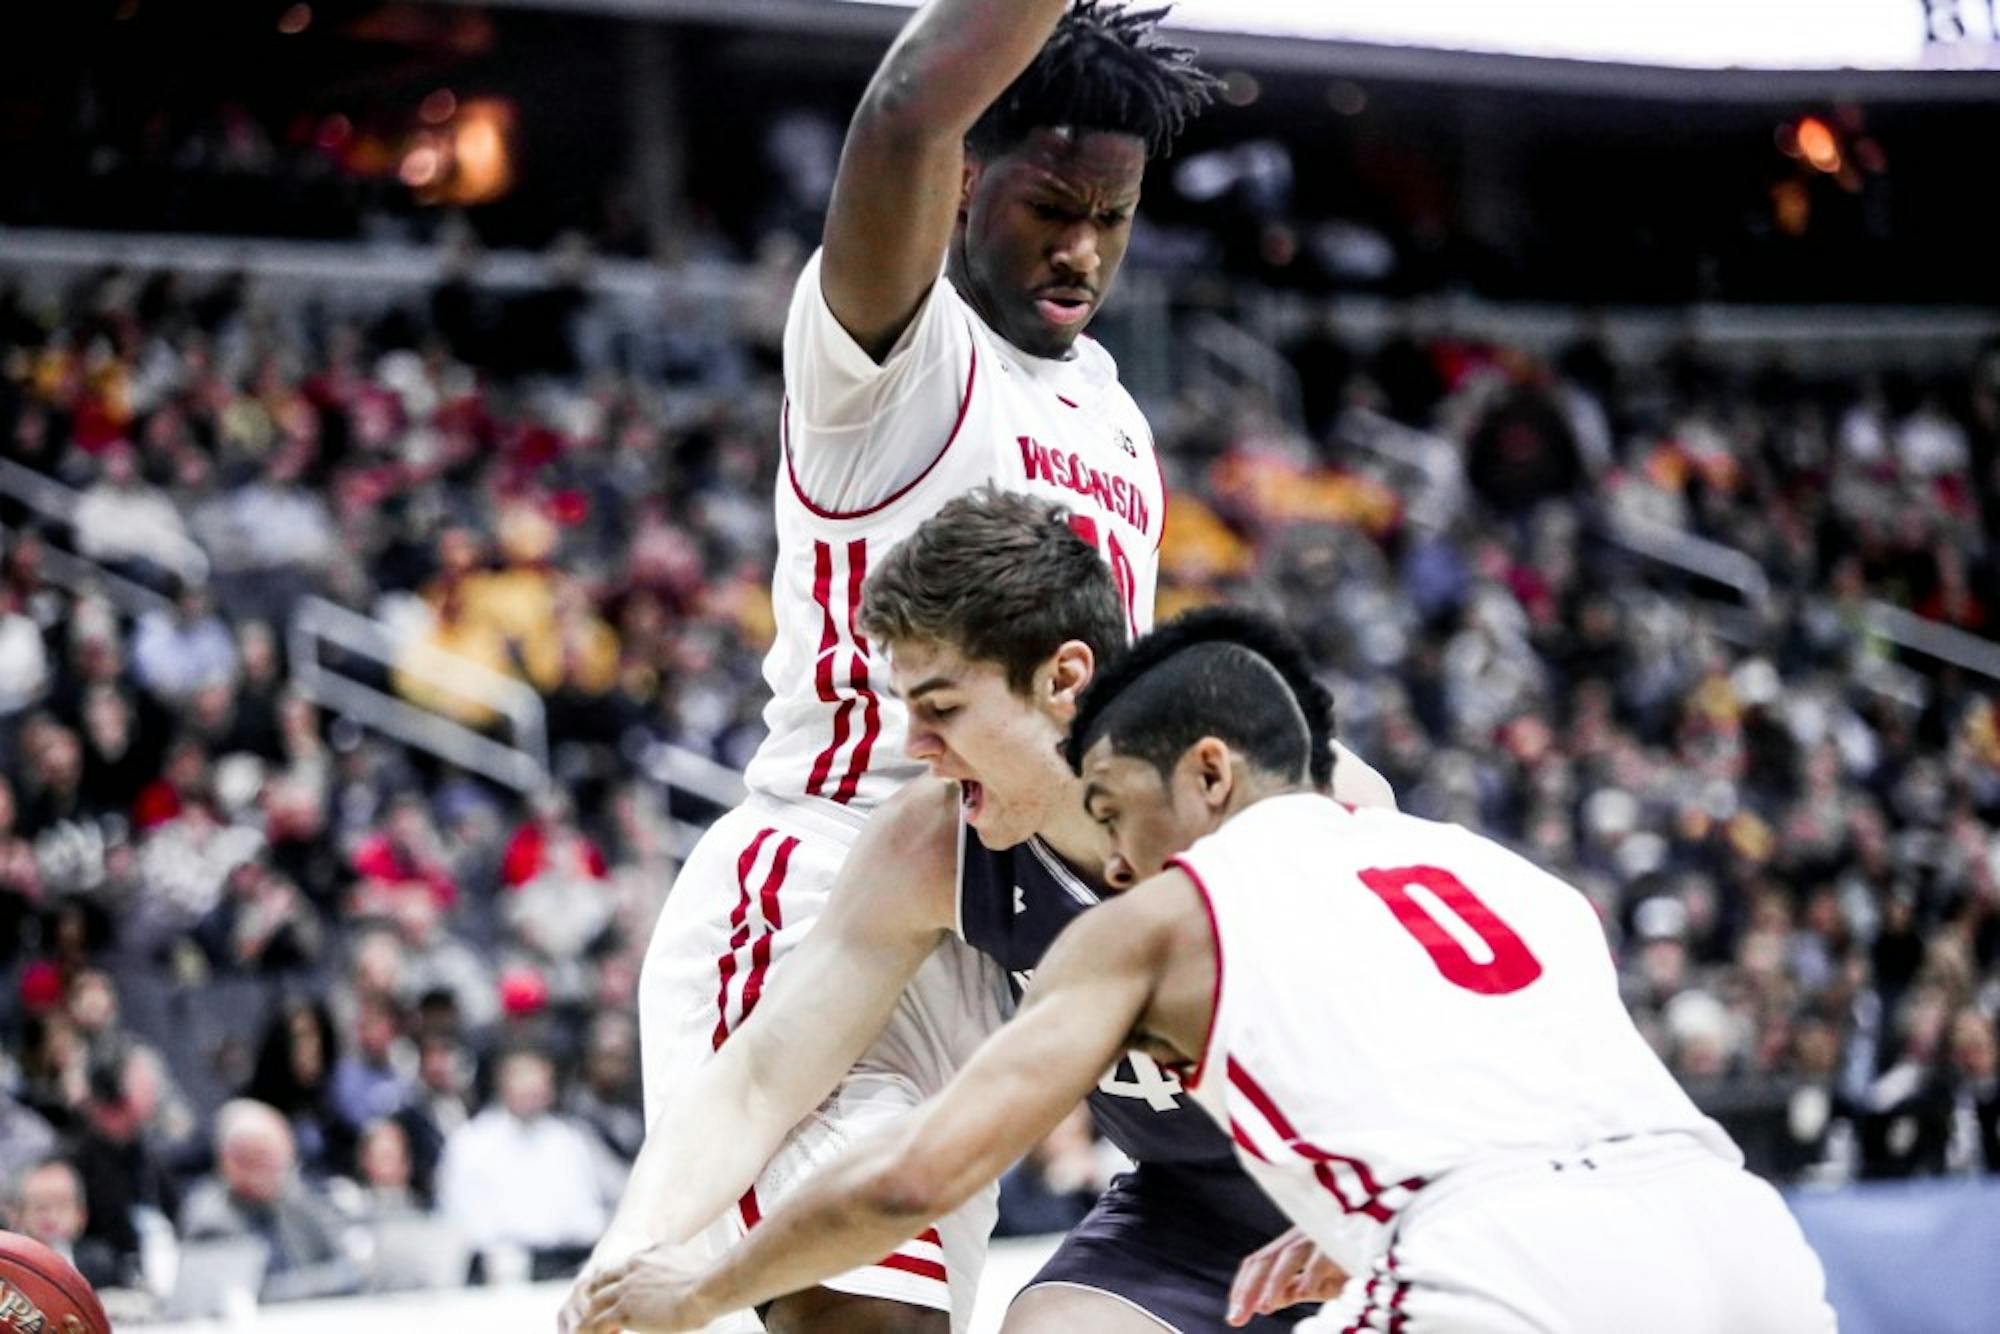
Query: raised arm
[[1101, 982], [896, 197], [886, 912]]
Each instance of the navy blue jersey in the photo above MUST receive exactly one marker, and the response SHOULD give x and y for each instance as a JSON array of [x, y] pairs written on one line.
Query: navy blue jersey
[[1011, 907]]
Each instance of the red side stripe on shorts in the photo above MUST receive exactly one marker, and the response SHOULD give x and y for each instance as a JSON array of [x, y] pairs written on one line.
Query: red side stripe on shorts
[[911, 1265], [871, 708], [767, 902], [829, 641], [739, 932]]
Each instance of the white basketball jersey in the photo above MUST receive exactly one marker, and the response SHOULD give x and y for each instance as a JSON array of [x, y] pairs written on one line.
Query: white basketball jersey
[[870, 452], [1398, 998]]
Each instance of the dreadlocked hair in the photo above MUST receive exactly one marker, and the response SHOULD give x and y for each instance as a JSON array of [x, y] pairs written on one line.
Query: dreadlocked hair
[[1101, 70]]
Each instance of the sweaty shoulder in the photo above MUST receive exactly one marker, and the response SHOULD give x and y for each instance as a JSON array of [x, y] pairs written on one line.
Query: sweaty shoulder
[[909, 850]]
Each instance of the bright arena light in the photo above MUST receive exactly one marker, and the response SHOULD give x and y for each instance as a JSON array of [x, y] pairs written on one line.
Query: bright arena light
[[1699, 34]]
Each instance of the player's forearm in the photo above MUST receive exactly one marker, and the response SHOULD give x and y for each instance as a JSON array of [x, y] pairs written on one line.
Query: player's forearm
[[701, 1153], [952, 62]]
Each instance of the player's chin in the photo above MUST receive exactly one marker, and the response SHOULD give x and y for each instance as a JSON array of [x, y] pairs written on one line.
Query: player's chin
[[996, 832], [1044, 338]]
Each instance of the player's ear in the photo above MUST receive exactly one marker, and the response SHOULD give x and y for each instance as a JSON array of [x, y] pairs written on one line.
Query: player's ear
[[1069, 671], [1209, 767], [968, 181]]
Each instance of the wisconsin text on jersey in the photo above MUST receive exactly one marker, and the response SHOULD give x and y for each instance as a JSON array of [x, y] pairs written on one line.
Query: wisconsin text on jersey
[[1110, 493]]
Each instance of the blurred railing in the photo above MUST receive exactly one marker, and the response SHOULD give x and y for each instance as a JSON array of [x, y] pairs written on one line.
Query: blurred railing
[[319, 625], [54, 501]]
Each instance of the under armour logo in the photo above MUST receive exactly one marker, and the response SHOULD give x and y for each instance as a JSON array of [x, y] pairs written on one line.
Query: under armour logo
[[1125, 443], [1020, 900]]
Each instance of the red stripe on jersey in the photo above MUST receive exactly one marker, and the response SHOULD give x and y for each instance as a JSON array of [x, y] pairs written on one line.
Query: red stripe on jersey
[[829, 640], [1360, 1324], [747, 1210], [1321, 1159], [1193, 1081], [785, 447], [767, 903], [739, 935], [871, 707], [910, 1264], [1398, 1318], [1242, 1136]]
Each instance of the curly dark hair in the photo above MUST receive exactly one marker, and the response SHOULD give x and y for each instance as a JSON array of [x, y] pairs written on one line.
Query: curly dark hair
[[1209, 673], [1102, 69]]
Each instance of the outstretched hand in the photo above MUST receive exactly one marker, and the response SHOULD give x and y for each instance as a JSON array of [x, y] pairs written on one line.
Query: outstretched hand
[[1288, 1271], [651, 1293]]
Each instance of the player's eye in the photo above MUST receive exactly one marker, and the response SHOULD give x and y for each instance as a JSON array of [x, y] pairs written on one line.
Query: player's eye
[[1048, 212]]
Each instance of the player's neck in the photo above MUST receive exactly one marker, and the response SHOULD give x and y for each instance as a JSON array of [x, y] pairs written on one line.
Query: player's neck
[[1075, 837]]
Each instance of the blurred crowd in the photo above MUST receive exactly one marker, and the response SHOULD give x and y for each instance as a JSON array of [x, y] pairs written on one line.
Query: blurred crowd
[[270, 975]]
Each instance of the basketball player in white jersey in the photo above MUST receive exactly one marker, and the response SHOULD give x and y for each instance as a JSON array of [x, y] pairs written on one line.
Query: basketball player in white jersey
[[934, 344], [1412, 1034], [993, 614]]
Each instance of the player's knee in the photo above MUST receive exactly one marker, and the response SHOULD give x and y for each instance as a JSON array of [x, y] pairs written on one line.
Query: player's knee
[[823, 1311]]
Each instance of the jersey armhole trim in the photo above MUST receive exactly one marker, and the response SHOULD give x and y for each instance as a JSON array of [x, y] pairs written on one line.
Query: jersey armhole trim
[[1182, 865], [1159, 466], [958, 888], [840, 516]]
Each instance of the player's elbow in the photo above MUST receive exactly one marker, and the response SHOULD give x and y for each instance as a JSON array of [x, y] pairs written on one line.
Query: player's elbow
[[899, 1189]]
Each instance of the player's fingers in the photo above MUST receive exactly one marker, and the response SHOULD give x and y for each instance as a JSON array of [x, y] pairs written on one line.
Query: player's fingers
[[1250, 1278]]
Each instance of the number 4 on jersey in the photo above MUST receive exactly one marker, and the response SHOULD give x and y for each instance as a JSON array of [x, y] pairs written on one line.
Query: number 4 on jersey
[[1159, 1088], [1509, 965]]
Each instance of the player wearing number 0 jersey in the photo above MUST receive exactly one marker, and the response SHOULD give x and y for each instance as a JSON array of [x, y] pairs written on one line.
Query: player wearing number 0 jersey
[[934, 344], [1413, 1036]]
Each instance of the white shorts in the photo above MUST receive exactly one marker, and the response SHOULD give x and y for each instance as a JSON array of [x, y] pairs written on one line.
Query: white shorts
[[1653, 1235], [749, 892]]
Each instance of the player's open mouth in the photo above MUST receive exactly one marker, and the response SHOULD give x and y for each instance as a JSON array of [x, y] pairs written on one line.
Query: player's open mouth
[[971, 798], [1063, 307]]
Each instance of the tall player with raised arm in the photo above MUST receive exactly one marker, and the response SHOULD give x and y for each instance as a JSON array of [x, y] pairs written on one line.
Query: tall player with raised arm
[[994, 616], [1413, 1035], [934, 344]]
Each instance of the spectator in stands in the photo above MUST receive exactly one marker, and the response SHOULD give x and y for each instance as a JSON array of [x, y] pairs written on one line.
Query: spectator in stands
[[521, 1139], [119, 761], [129, 524], [123, 1174], [46, 1202], [293, 1075], [605, 1096], [26, 1137], [375, 1077], [1972, 1144], [558, 900], [402, 870], [20, 877], [271, 538], [24, 663], [262, 924], [256, 1191], [385, 1171], [178, 654]]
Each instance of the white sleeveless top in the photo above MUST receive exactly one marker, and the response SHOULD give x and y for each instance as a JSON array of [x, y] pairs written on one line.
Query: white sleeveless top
[[1398, 998], [870, 452]]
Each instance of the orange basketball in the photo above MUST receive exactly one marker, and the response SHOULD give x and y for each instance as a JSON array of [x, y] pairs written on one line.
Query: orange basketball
[[39, 1290]]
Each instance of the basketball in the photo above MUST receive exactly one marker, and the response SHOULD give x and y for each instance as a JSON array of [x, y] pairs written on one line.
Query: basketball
[[39, 1290]]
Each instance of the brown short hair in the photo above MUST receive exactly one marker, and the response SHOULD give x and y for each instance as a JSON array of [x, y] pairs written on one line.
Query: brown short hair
[[1000, 577]]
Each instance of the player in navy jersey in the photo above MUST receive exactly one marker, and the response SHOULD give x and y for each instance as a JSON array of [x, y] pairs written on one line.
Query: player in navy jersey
[[995, 615]]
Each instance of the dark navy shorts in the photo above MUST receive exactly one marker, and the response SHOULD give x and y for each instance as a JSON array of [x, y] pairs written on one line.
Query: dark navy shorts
[[1167, 1237]]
